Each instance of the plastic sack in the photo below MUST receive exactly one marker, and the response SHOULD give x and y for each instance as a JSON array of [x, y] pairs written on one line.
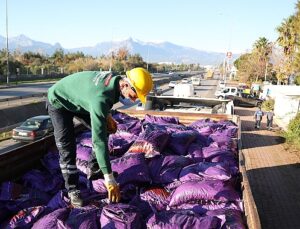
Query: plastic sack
[[161, 119], [210, 206], [51, 161], [99, 186], [195, 152], [60, 200], [27, 217], [120, 142], [43, 181], [230, 218], [10, 190], [120, 216], [151, 142], [156, 197], [204, 123], [82, 218], [53, 219], [180, 141], [206, 171], [199, 191], [85, 139], [182, 220], [131, 168], [166, 169], [127, 123], [214, 150]]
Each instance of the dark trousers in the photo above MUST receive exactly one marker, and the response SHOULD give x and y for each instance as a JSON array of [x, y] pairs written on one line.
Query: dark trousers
[[269, 123], [65, 140], [257, 123]]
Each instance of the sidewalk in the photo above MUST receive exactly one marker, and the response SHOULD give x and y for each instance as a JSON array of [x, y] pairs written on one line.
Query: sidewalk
[[273, 172]]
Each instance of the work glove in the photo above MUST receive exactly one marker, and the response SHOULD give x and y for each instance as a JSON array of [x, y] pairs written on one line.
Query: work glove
[[111, 125], [112, 187]]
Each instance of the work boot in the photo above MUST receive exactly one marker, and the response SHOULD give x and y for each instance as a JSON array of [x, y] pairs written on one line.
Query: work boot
[[75, 198]]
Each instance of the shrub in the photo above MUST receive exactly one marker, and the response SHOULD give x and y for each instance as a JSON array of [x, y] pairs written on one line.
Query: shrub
[[268, 105], [293, 133], [297, 80]]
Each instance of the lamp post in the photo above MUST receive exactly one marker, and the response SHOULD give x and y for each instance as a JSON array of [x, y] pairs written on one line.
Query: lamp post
[[7, 52]]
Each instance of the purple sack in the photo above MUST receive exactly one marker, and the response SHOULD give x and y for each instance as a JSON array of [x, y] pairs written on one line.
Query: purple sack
[[131, 168], [161, 119], [120, 142], [182, 220], [83, 152], [180, 141], [51, 161], [166, 169], [221, 138], [151, 142], [205, 171], [82, 218], [156, 197], [29, 198], [60, 200], [121, 216], [10, 190], [213, 150], [230, 218], [210, 206], [99, 186], [201, 191], [43, 181], [53, 219], [195, 152], [85, 139], [26, 217], [202, 123]]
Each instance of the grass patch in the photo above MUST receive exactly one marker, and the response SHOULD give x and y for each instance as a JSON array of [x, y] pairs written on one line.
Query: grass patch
[[5, 135]]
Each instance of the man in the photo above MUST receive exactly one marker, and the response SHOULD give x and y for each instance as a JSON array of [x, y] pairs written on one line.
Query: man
[[258, 117], [270, 115], [90, 96]]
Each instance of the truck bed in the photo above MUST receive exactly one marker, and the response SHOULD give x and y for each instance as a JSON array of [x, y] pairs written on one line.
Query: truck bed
[[14, 163]]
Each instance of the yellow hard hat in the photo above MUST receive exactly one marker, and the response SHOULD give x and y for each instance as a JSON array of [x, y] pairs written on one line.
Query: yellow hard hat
[[142, 82]]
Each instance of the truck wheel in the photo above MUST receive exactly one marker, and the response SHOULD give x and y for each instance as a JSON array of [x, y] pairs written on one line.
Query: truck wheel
[[220, 97]]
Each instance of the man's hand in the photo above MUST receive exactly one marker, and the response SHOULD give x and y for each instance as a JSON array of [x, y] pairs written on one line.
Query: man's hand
[[112, 187], [111, 125]]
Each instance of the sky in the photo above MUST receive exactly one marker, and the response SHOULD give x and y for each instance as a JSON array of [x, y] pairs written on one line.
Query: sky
[[209, 25]]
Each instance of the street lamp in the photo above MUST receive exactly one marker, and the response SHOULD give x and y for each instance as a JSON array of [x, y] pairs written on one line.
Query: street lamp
[[7, 52]]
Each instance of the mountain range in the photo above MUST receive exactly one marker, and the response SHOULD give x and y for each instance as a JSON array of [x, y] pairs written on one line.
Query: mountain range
[[150, 51]]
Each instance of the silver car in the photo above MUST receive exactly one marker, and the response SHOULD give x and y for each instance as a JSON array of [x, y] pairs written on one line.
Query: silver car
[[33, 128]]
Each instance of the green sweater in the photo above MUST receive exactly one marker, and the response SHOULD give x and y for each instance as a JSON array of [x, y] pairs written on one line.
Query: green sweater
[[92, 93]]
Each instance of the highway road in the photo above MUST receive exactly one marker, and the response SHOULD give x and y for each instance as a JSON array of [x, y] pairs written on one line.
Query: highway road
[[206, 90]]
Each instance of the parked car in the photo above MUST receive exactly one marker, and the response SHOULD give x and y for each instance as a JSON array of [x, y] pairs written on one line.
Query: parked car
[[172, 84], [244, 99], [185, 80], [33, 128], [226, 91]]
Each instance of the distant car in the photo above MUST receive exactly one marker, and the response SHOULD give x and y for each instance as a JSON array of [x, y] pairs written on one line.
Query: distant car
[[226, 91], [221, 84], [243, 99], [185, 80], [33, 128], [172, 84]]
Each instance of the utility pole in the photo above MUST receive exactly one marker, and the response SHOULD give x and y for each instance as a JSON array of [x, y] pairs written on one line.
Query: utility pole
[[7, 52]]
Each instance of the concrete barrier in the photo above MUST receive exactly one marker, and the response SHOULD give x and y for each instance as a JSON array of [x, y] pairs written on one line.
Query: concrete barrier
[[12, 115]]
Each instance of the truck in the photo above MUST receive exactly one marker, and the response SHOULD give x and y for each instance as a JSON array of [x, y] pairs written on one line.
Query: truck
[[16, 162]]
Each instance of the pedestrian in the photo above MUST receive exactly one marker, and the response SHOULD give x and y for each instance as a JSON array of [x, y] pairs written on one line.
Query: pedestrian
[[90, 96], [258, 117], [270, 115]]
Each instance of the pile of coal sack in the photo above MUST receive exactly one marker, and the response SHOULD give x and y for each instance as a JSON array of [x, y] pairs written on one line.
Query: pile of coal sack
[[170, 175]]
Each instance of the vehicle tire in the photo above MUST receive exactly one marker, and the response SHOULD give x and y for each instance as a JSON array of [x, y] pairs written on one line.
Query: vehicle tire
[[220, 97]]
